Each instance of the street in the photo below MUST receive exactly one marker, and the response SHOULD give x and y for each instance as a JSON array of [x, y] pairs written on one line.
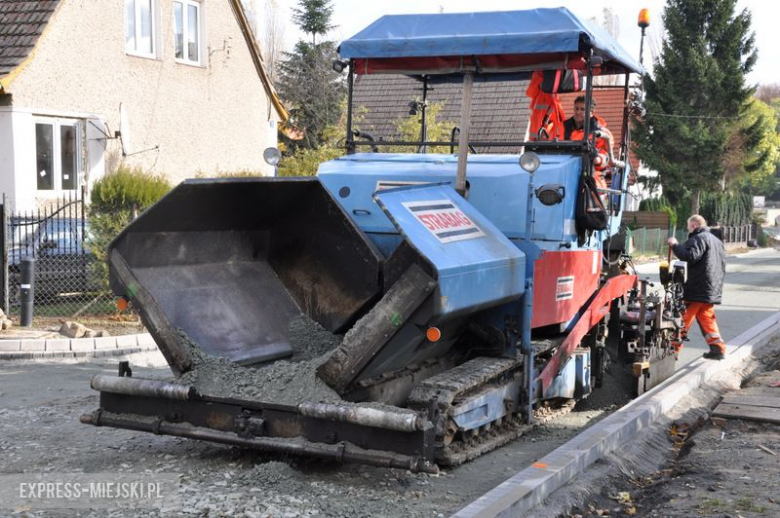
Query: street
[[40, 433]]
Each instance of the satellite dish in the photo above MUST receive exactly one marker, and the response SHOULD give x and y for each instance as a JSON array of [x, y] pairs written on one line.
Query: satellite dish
[[124, 129]]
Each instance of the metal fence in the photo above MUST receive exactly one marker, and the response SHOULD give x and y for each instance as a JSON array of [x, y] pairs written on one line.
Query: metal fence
[[652, 241], [55, 236]]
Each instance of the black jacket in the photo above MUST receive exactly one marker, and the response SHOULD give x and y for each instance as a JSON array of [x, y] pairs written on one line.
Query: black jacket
[[569, 126], [706, 260]]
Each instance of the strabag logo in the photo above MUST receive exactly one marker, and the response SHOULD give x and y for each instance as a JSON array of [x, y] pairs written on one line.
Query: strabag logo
[[564, 288], [445, 221]]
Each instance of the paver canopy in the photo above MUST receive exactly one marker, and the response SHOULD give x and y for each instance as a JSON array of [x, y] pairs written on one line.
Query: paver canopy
[[490, 41]]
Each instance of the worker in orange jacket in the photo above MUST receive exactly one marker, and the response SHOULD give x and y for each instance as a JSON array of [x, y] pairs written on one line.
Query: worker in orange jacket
[[546, 111], [574, 129], [706, 260]]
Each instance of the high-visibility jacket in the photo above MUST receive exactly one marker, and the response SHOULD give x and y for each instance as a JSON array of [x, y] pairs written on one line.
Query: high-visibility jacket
[[546, 111], [601, 162]]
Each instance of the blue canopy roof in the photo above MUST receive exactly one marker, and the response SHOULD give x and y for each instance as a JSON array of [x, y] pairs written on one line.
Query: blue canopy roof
[[535, 31]]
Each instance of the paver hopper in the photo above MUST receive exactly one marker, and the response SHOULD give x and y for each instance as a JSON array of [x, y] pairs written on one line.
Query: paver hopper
[[232, 262]]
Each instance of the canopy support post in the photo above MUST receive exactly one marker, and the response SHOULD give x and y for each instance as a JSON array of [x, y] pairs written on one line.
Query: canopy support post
[[587, 161], [350, 85], [463, 138]]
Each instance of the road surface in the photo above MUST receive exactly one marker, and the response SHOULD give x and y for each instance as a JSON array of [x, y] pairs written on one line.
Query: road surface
[[40, 404]]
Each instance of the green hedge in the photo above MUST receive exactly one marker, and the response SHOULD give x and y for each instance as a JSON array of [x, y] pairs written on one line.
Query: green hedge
[[728, 209], [661, 204], [114, 198]]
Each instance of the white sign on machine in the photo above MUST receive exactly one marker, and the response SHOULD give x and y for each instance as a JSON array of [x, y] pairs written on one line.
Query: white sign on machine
[[564, 288], [444, 220]]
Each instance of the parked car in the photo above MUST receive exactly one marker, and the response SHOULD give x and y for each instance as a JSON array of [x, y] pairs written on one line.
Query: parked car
[[61, 259]]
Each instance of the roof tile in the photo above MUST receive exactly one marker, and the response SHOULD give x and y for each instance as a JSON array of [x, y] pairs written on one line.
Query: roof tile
[[21, 24], [500, 109]]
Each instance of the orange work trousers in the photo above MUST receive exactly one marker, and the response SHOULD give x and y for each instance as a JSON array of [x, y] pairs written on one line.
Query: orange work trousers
[[704, 314]]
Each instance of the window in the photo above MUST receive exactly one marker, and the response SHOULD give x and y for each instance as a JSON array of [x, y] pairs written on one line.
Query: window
[[186, 31], [68, 152], [57, 153], [140, 27], [44, 151]]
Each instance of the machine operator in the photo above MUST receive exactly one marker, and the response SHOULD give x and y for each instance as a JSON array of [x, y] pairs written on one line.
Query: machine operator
[[573, 129]]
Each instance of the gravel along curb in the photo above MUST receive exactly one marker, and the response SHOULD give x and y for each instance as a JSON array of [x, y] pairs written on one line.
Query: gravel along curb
[[530, 487], [76, 347]]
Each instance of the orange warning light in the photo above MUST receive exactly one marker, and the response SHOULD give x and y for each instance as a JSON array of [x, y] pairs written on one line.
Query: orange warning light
[[433, 334], [644, 18], [121, 304]]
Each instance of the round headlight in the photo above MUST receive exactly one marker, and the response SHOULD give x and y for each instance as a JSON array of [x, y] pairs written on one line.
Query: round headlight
[[551, 194], [530, 161], [272, 156]]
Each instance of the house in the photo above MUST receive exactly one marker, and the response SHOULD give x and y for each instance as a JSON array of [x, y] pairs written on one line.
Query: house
[[500, 109], [194, 95]]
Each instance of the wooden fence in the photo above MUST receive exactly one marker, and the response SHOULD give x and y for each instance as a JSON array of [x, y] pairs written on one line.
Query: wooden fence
[[646, 219]]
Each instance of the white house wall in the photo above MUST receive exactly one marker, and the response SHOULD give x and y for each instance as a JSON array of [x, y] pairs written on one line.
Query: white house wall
[[204, 119], [7, 154], [17, 153]]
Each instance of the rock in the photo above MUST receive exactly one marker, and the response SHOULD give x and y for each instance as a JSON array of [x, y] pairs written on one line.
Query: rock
[[73, 329], [90, 334], [101, 334], [7, 324]]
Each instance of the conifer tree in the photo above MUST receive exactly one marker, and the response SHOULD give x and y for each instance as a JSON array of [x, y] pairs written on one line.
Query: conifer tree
[[307, 81], [696, 96]]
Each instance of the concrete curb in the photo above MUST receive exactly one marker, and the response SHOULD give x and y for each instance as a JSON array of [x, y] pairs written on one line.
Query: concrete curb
[[76, 347], [528, 488]]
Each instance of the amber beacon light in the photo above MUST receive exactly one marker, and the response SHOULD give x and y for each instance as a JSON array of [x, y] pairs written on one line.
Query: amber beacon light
[[644, 18], [644, 22]]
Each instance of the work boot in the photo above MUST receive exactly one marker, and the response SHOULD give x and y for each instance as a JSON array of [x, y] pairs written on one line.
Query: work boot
[[714, 354]]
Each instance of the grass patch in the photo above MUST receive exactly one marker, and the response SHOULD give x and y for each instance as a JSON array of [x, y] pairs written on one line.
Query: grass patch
[[748, 504], [65, 306], [710, 504], [744, 504]]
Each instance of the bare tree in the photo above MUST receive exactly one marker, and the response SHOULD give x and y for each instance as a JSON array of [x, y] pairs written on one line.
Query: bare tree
[[611, 23], [768, 92], [268, 27], [273, 41]]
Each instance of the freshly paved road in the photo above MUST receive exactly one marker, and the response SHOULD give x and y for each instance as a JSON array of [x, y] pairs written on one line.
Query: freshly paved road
[[751, 293]]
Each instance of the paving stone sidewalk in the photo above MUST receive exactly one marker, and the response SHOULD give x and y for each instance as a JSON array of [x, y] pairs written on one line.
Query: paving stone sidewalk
[[23, 348]]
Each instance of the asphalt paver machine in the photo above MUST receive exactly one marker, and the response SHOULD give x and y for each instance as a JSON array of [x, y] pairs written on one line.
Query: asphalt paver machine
[[471, 294]]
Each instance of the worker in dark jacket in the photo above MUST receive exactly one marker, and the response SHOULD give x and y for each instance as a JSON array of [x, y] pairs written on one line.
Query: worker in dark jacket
[[706, 260]]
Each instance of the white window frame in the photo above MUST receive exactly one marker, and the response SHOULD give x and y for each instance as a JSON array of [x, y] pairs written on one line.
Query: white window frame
[[137, 25], [57, 124], [198, 4]]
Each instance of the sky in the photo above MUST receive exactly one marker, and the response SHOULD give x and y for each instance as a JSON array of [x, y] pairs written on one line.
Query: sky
[[351, 16]]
